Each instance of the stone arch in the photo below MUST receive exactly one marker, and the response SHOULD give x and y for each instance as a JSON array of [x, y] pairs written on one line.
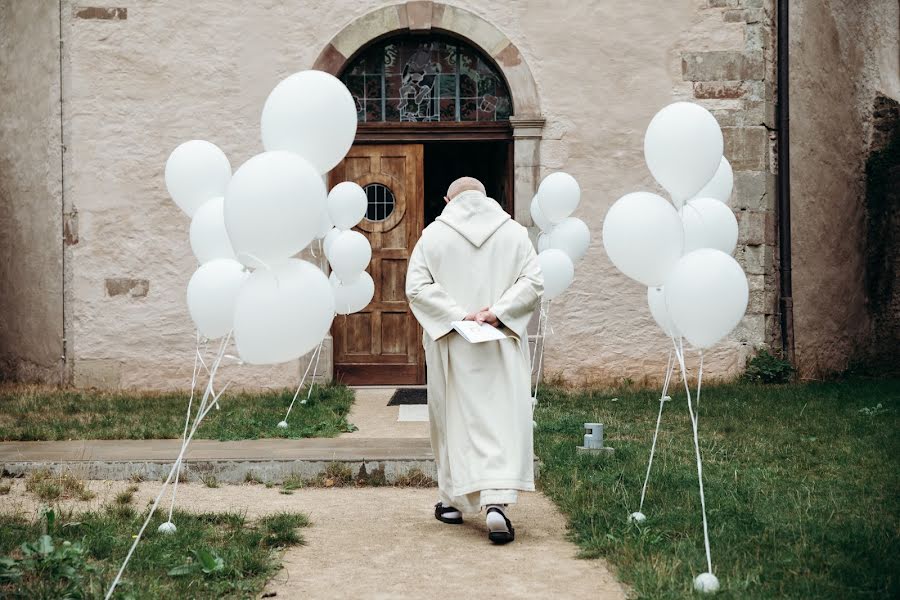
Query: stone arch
[[422, 16]]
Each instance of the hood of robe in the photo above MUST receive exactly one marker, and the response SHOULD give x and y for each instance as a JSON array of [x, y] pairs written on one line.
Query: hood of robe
[[474, 216]]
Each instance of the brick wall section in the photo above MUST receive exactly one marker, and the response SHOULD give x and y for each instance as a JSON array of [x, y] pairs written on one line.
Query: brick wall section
[[745, 81]]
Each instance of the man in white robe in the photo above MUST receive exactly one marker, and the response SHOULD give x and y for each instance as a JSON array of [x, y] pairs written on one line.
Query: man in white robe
[[476, 263]]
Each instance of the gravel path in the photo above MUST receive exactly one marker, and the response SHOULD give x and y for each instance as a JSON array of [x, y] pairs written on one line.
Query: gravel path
[[384, 543]]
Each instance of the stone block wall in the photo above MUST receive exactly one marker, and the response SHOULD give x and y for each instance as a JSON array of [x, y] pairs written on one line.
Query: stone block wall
[[738, 87]]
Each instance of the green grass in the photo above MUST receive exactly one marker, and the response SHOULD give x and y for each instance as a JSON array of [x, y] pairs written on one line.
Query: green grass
[[802, 487], [210, 556], [32, 413]]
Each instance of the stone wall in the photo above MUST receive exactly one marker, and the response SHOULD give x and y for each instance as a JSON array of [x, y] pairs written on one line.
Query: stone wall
[[31, 232], [142, 77], [843, 55]]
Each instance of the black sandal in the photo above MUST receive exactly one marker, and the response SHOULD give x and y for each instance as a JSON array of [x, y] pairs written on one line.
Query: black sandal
[[501, 537], [440, 510]]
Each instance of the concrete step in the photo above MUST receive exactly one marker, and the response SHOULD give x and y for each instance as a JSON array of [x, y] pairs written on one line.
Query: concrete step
[[269, 460]]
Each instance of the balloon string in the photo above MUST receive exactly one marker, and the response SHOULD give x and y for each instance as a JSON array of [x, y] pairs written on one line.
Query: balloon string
[[699, 383], [679, 352], [209, 391], [197, 420], [670, 367], [187, 417], [543, 338], [303, 379], [312, 381], [537, 338]]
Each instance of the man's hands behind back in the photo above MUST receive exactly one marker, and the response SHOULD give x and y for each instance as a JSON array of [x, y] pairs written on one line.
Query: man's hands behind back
[[483, 316]]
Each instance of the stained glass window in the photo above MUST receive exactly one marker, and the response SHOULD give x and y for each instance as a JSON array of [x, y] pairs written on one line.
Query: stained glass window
[[381, 202], [433, 79]]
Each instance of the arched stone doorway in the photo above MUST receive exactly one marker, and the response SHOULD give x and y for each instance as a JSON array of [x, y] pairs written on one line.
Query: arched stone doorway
[[440, 93]]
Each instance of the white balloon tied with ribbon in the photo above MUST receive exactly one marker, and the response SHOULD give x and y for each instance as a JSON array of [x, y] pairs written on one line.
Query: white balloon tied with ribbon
[[706, 294], [572, 236], [196, 171], [311, 114], [353, 297], [537, 215], [273, 207], [558, 196], [209, 239], [709, 223], [558, 270], [721, 184], [211, 294], [282, 313], [683, 149], [643, 237], [347, 205], [349, 255]]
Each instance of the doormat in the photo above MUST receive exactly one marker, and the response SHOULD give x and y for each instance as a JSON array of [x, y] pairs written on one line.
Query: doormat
[[409, 396]]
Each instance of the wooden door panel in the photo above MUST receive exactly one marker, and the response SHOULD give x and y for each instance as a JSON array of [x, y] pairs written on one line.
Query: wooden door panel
[[381, 344]]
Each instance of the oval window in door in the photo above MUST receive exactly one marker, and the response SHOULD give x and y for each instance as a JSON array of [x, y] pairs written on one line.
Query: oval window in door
[[381, 202]]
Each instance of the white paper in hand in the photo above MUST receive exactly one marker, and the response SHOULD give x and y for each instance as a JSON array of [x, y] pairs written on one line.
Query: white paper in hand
[[475, 333]]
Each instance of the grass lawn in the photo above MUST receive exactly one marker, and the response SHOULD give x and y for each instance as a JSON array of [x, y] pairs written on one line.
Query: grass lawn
[[802, 487], [33, 413], [77, 556]]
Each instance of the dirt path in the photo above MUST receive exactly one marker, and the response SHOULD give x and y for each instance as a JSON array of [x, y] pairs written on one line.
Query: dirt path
[[384, 543]]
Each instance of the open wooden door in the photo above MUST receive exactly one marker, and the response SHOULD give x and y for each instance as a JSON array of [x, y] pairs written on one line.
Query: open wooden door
[[382, 344]]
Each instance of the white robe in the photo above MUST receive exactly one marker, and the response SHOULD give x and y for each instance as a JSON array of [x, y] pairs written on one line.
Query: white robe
[[479, 395]]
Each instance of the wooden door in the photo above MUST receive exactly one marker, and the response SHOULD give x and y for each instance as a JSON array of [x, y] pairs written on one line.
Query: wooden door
[[382, 344]]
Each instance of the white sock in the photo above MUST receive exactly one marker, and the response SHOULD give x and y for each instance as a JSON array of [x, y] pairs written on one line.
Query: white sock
[[496, 521], [453, 514]]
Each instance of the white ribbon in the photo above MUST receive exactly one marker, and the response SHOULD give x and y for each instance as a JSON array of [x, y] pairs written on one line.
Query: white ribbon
[[670, 367], [202, 411], [679, 352], [544, 328], [314, 355]]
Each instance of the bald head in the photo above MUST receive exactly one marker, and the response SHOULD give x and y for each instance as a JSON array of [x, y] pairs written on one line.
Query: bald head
[[464, 184]]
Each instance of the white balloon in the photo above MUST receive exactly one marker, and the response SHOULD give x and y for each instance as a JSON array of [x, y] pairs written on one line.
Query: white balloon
[[656, 300], [706, 295], [282, 313], [325, 225], [353, 297], [312, 114], [721, 184], [209, 239], [211, 295], [558, 272], [349, 255], [543, 241], [572, 236], [347, 204], [273, 207], [538, 217], [683, 149], [643, 237], [329, 238], [709, 223], [558, 196], [195, 172]]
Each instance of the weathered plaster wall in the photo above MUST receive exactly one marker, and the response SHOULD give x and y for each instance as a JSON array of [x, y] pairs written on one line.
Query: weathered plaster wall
[[140, 83], [842, 56], [31, 296]]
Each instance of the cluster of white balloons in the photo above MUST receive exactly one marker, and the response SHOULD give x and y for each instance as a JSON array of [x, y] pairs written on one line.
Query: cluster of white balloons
[[682, 253], [247, 228], [348, 252], [564, 239]]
